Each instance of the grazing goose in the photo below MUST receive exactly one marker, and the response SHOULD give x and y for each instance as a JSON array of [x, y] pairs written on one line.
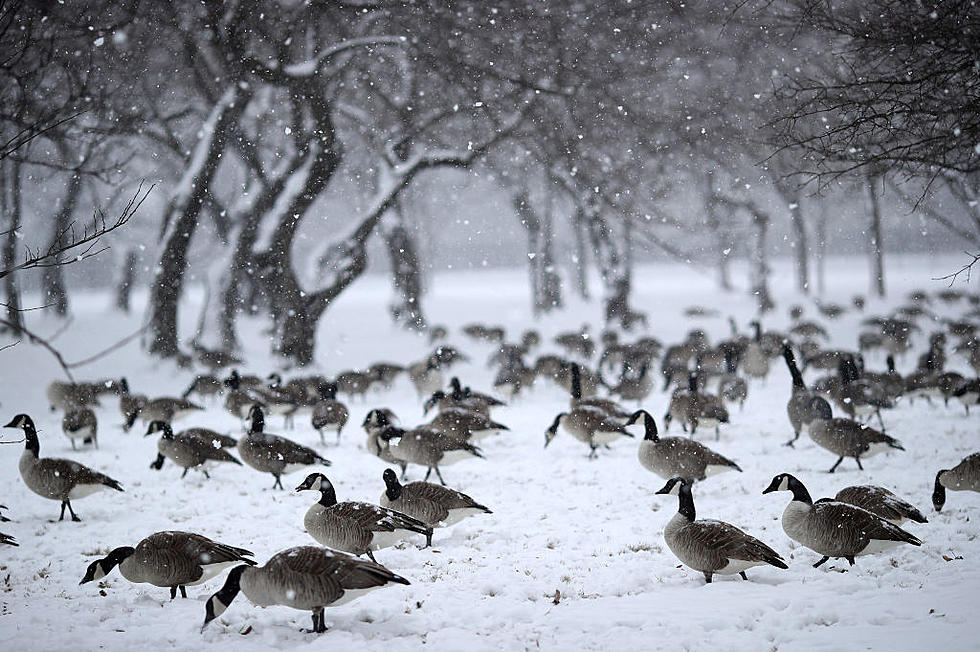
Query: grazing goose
[[80, 423], [426, 447], [65, 396], [53, 478], [755, 362], [463, 424], [832, 528], [426, 376], [355, 527], [965, 476], [590, 426], [671, 457], [204, 386], [328, 412], [188, 449], [171, 559], [433, 504], [846, 437], [167, 409], [306, 578], [130, 405], [443, 401], [273, 454], [712, 546], [385, 373], [880, 502]]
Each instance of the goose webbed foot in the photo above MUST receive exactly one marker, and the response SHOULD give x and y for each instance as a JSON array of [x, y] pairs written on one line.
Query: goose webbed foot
[[184, 474], [850, 560], [707, 577], [370, 555], [819, 563], [836, 464]]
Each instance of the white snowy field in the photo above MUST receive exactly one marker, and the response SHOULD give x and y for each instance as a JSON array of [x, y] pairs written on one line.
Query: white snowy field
[[591, 530]]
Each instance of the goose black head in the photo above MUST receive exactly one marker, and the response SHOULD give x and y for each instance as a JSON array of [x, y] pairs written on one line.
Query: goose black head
[[787, 482], [327, 391], [673, 486], [220, 601], [433, 400], [275, 380], [234, 380], [939, 492], [552, 430], [393, 488], [21, 421], [123, 385], [160, 426], [102, 567], [650, 432], [314, 482]]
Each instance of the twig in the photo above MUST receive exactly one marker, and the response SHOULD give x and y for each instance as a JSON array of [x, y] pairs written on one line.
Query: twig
[[19, 441], [11, 345], [109, 349], [968, 268], [43, 342]]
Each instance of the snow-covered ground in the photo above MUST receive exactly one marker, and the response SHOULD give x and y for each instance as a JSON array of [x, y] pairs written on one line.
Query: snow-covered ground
[[588, 531]]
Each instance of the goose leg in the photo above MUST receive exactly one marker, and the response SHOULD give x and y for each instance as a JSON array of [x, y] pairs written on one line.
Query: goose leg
[[185, 472], [62, 517], [205, 472], [74, 516], [791, 442], [183, 591], [858, 460], [73, 445], [817, 565], [173, 592], [717, 433], [667, 421], [880, 420], [439, 475], [404, 466], [278, 483], [370, 555], [834, 467], [850, 560], [592, 454], [707, 576], [743, 575], [427, 474], [338, 434]]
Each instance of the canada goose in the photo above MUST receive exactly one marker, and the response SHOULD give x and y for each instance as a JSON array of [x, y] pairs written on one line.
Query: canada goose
[[634, 386], [511, 379], [469, 397], [130, 405], [464, 424], [426, 447], [171, 559], [204, 386], [809, 330], [54, 478], [609, 406], [798, 408], [187, 449], [589, 425], [857, 397], [712, 546], [968, 393], [755, 362], [355, 527], [846, 437], [704, 409], [671, 457], [328, 412], [386, 373], [835, 529], [880, 502], [287, 399], [375, 423], [65, 396], [80, 423], [167, 409], [433, 504], [305, 577], [965, 476], [580, 343], [426, 376], [273, 454]]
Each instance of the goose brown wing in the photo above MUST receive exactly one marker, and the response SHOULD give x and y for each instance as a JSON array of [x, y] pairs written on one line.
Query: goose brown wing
[[880, 501], [733, 543], [333, 571], [203, 549], [375, 518], [215, 439], [72, 473], [855, 527], [443, 496], [285, 450]]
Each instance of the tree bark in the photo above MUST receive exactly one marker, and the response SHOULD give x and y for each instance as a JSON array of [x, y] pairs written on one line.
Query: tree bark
[[53, 278], [760, 262], [875, 246], [11, 195], [722, 234], [406, 271], [125, 286], [790, 194], [580, 261], [182, 219]]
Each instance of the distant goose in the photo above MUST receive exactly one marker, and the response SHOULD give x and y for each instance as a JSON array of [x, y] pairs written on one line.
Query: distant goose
[[755, 361], [273, 454], [846, 437], [607, 405], [965, 476], [835, 529], [65, 396], [190, 448], [712, 546], [671, 457], [305, 577], [426, 447], [204, 386], [328, 412], [355, 527], [589, 425], [168, 409], [798, 408], [375, 423], [433, 504], [171, 559], [54, 478], [463, 424], [130, 405], [880, 502], [80, 423], [426, 376]]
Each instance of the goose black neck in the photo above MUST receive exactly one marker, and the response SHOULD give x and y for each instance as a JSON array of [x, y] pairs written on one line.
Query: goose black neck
[[328, 496], [258, 421], [692, 383], [576, 382], [649, 425], [685, 501], [393, 488], [232, 585], [794, 371], [799, 492], [758, 331], [31, 442], [117, 557]]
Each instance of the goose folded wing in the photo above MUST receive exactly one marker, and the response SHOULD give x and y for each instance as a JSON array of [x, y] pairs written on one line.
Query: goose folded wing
[[731, 542], [442, 496], [854, 524]]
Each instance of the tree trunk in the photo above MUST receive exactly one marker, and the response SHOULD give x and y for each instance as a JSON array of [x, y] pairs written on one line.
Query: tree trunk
[[550, 279], [125, 286], [876, 249], [580, 260], [790, 194], [760, 263], [11, 196], [724, 244], [181, 220], [822, 251], [406, 271], [614, 275], [53, 279], [521, 203]]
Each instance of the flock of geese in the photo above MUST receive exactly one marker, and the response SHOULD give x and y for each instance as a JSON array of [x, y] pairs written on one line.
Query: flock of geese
[[705, 382]]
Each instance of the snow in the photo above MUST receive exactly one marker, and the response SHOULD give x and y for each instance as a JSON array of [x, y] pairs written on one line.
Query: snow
[[573, 555]]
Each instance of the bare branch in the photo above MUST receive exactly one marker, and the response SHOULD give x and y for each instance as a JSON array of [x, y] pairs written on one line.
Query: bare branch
[[966, 269]]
